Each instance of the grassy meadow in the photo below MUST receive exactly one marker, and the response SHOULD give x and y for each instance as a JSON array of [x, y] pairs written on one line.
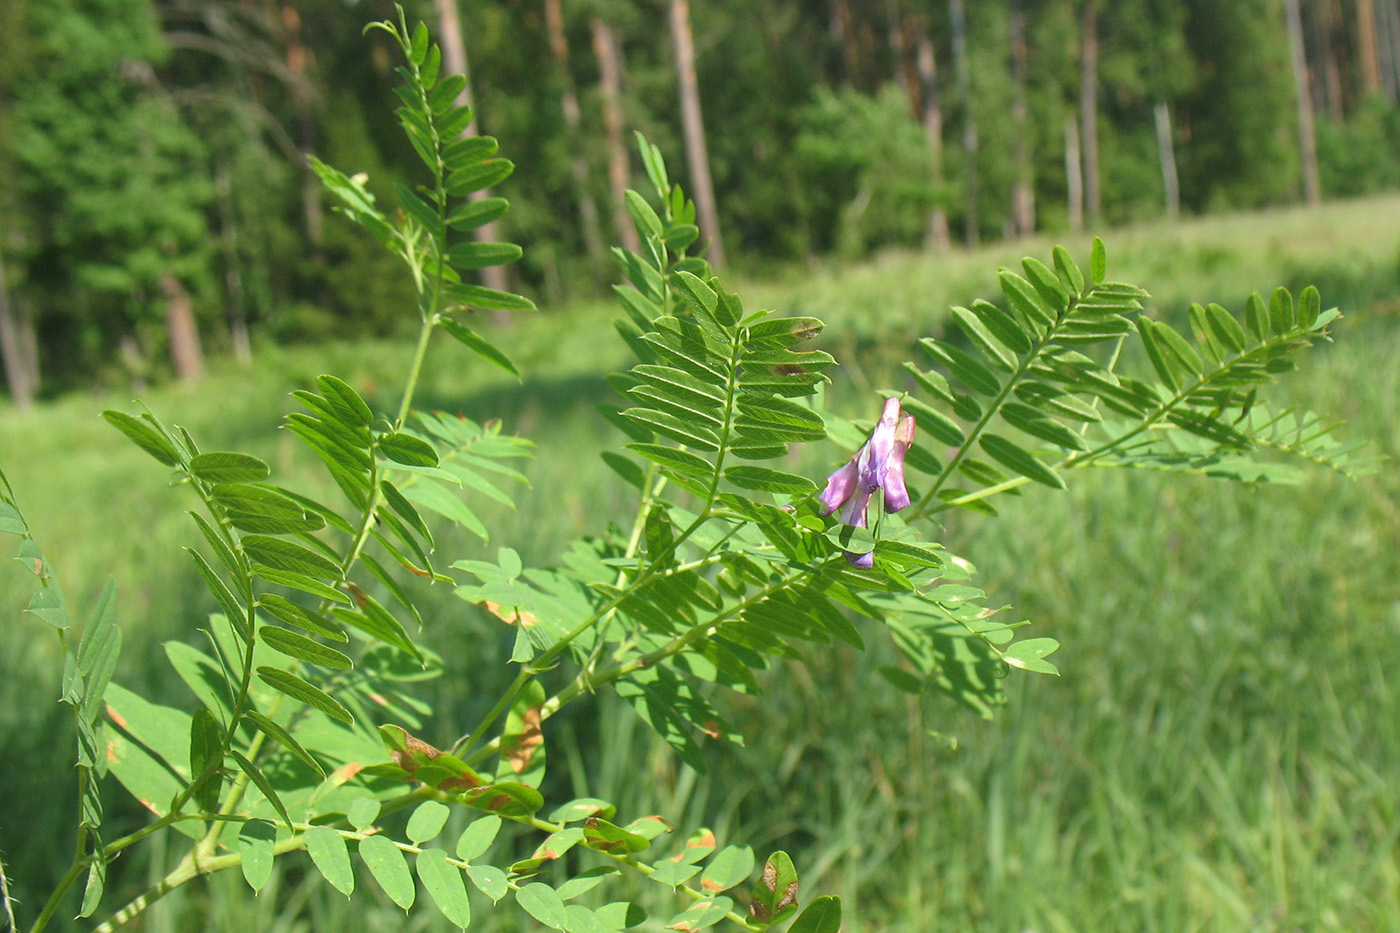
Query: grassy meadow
[[1221, 753]]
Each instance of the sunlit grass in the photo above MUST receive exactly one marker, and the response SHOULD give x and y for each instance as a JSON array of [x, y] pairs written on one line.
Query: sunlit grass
[[1220, 754]]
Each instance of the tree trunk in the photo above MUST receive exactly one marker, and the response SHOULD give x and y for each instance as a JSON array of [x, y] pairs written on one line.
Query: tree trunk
[[693, 126], [1388, 48], [1167, 154], [1370, 47], [454, 61], [971, 222], [619, 166], [1074, 176], [936, 230], [12, 351], [298, 63], [843, 33], [1332, 53], [578, 165], [1307, 134], [236, 312], [182, 330], [1022, 188], [1089, 108]]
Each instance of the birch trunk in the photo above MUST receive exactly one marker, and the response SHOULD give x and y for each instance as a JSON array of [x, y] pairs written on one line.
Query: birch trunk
[[1167, 154], [12, 351]]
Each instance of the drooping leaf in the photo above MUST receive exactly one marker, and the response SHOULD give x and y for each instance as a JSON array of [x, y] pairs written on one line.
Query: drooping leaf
[[543, 903], [256, 839]]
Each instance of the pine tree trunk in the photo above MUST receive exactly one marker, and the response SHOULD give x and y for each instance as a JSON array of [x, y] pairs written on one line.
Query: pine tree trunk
[[182, 330], [619, 165], [971, 221], [568, 98], [1074, 176], [1167, 154], [298, 64], [1022, 188], [454, 61], [692, 123], [843, 34], [1388, 48], [1369, 46], [1307, 134], [936, 230], [1089, 108], [1331, 52], [12, 351], [236, 312]]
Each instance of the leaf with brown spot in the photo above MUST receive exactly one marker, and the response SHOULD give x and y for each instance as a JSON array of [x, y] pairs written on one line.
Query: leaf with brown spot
[[697, 848], [775, 893], [509, 615], [522, 741], [606, 837]]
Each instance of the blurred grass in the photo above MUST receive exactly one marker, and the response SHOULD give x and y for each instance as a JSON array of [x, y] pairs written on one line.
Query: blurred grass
[[1220, 754]]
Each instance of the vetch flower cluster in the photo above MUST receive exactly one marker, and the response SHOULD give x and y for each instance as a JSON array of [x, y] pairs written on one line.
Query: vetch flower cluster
[[877, 465]]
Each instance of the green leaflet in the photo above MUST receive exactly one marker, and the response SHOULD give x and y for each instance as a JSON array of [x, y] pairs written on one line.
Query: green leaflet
[[444, 885], [331, 857], [389, 868]]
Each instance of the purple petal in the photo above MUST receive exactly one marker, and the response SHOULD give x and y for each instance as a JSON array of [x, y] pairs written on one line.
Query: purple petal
[[855, 515], [863, 561], [896, 496], [839, 486]]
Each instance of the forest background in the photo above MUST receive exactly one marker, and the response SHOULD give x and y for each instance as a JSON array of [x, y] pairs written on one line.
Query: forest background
[[1221, 752], [156, 202]]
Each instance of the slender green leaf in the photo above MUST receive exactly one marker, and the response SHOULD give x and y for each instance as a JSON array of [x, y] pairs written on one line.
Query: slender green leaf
[[302, 648], [1020, 460], [284, 738], [261, 782], [228, 467], [280, 554], [144, 436], [206, 758], [298, 689]]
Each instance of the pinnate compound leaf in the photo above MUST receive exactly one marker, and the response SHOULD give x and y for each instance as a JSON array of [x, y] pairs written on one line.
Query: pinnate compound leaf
[[544, 904], [390, 869], [443, 880], [255, 841], [822, 916], [331, 857], [298, 689]]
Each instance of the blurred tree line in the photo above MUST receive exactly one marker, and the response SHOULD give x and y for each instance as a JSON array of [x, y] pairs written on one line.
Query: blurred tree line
[[155, 204]]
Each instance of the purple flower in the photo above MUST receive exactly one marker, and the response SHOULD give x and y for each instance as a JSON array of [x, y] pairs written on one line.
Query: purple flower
[[879, 464]]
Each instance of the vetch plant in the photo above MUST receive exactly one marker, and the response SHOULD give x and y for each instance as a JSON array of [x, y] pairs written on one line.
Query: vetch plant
[[307, 734]]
